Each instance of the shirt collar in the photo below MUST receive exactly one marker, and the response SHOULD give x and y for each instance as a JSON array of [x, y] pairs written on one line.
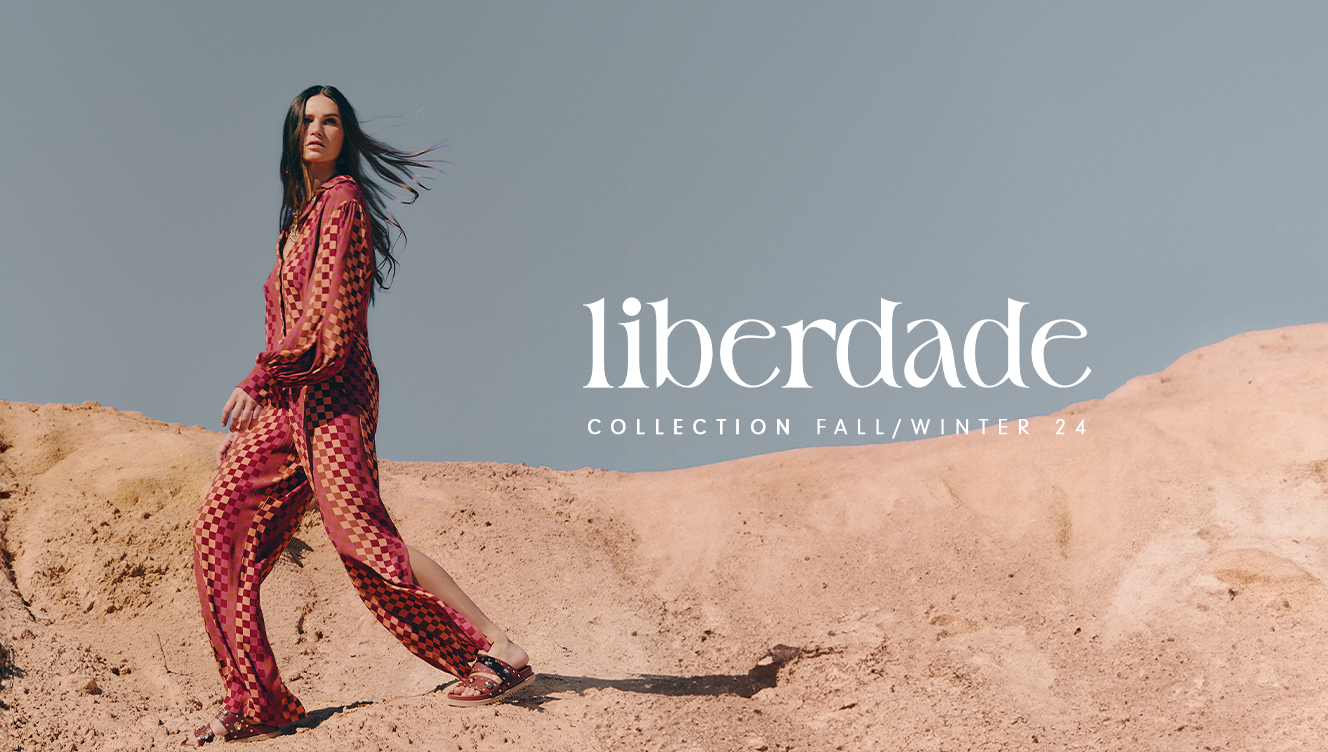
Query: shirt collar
[[333, 181]]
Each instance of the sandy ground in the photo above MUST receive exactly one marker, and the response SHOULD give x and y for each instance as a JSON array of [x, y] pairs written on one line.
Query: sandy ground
[[1156, 583]]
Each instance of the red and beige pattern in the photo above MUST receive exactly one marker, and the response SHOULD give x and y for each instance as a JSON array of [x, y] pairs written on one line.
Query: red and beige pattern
[[313, 442]]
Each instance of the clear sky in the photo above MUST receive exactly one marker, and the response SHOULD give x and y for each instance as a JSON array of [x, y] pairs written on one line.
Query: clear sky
[[1153, 171]]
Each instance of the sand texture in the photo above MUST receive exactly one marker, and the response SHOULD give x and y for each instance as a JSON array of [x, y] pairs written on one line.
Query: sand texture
[[1156, 583]]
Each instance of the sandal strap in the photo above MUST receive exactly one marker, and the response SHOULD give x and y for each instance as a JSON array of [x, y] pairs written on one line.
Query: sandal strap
[[233, 722], [480, 680], [236, 725], [504, 672]]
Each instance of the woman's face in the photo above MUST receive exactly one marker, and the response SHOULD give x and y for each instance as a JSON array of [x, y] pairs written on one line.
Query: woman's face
[[322, 135]]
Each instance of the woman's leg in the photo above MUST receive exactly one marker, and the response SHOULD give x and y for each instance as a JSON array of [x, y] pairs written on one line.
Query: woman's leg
[[432, 577], [344, 475], [246, 521]]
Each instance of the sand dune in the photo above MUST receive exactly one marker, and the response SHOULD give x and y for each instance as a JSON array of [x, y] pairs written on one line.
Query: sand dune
[[1155, 583]]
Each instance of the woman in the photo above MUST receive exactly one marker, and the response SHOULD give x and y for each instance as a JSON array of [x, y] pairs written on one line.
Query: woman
[[302, 428]]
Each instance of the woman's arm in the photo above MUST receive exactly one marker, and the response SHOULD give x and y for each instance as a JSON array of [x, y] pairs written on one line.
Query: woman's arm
[[319, 334]]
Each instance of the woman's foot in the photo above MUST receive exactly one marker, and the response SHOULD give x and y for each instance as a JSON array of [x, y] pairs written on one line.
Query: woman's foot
[[512, 657], [229, 727]]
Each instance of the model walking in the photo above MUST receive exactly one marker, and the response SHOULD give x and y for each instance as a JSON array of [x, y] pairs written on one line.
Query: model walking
[[302, 428]]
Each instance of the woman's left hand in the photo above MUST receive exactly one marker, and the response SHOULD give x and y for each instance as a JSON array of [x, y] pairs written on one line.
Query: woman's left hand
[[225, 447]]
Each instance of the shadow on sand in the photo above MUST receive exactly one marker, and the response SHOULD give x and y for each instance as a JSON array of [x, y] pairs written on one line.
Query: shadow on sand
[[761, 676], [315, 717], [546, 687]]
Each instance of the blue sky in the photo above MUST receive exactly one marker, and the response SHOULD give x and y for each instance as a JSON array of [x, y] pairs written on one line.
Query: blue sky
[[1155, 172]]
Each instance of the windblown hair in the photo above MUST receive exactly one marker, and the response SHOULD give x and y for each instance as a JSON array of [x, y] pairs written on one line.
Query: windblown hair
[[398, 168]]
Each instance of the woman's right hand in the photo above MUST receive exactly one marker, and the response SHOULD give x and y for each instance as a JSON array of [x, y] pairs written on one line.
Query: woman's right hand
[[241, 411]]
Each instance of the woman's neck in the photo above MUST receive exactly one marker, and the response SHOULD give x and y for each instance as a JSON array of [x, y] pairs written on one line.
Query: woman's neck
[[319, 174]]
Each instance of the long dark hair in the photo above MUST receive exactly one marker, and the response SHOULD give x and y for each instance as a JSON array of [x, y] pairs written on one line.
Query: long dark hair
[[357, 149]]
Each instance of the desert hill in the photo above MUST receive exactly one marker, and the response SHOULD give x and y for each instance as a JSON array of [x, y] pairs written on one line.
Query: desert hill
[[1154, 583]]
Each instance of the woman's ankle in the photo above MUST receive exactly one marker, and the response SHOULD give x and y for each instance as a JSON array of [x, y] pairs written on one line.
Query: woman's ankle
[[508, 652]]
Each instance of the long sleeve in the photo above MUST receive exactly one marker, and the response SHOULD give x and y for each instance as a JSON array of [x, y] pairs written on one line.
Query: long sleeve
[[320, 319]]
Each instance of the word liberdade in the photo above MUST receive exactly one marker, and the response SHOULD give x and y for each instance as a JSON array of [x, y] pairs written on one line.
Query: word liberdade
[[945, 359]]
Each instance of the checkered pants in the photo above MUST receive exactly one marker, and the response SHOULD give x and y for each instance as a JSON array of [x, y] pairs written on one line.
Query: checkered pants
[[261, 491]]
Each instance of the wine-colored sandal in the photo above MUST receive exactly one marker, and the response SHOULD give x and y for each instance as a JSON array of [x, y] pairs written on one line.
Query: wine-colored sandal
[[235, 729], [494, 678]]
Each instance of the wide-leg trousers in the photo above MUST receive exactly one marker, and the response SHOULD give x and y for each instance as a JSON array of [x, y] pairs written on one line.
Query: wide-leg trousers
[[320, 448]]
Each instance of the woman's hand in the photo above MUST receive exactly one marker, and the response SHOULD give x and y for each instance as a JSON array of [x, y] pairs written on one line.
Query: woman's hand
[[241, 411], [225, 447]]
